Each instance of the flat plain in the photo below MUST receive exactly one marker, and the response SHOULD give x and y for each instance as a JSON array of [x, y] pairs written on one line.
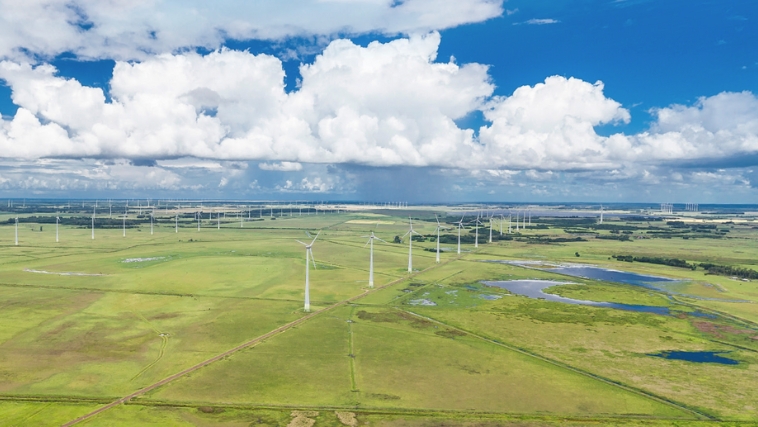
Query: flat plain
[[89, 322]]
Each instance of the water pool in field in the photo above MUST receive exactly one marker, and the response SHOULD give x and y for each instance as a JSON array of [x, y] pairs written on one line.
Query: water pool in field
[[697, 356], [534, 289], [617, 276], [586, 271]]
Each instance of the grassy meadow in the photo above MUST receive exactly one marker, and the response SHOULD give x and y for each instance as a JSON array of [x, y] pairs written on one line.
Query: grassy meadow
[[87, 322]]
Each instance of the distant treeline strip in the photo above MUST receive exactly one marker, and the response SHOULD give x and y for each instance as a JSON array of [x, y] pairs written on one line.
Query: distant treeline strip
[[672, 262], [722, 270]]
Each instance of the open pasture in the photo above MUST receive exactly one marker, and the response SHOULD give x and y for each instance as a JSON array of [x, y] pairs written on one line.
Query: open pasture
[[91, 321]]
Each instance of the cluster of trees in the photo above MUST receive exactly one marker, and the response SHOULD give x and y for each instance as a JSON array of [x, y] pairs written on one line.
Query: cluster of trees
[[726, 270], [672, 262]]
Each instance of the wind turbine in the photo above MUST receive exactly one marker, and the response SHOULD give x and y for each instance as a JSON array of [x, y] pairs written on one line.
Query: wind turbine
[[460, 225], [198, 221], [308, 257], [476, 227], [218, 221], [439, 227], [371, 258], [410, 234], [490, 218], [176, 226]]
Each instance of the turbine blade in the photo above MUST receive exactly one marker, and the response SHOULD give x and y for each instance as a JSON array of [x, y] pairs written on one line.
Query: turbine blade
[[369, 241], [304, 244], [312, 259], [314, 239], [308, 234], [380, 240]]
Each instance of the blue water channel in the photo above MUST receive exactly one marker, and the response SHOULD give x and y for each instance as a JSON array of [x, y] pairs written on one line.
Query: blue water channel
[[697, 356], [534, 289]]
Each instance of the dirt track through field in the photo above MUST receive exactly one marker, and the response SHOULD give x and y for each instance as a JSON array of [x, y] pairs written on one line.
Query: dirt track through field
[[243, 346]]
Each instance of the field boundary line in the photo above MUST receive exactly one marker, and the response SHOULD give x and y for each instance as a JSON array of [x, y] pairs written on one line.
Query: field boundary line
[[566, 366], [245, 345]]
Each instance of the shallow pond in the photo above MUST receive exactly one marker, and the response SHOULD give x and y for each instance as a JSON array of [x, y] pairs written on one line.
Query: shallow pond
[[697, 356], [598, 273], [586, 271], [534, 289]]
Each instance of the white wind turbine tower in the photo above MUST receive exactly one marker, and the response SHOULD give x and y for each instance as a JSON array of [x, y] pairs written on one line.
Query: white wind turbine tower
[[510, 223], [197, 215], [490, 241], [308, 257], [460, 225], [371, 258], [410, 234], [218, 221], [601, 214], [439, 227], [176, 223], [517, 225], [501, 224], [476, 228]]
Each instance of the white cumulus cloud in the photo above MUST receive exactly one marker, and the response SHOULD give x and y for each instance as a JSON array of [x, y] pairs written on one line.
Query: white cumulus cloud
[[385, 104], [136, 29]]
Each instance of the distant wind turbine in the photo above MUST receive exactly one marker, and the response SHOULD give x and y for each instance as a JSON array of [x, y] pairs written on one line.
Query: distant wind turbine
[[476, 227], [439, 227], [308, 257], [371, 258], [490, 218], [410, 234], [460, 225]]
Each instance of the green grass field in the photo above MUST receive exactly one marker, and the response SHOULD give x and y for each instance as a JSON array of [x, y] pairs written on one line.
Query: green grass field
[[87, 322]]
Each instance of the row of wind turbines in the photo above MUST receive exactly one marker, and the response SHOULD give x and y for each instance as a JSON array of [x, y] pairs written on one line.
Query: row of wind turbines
[[309, 246], [370, 243]]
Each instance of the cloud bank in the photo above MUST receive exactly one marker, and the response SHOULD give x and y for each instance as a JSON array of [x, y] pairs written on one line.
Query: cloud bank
[[138, 29], [386, 104]]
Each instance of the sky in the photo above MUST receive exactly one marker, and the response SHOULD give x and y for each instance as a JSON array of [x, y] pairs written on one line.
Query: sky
[[381, 100]]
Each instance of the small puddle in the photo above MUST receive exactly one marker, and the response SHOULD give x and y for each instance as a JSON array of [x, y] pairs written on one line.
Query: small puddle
[[534, 289], [697, 356], [131, 260], [425, 302]]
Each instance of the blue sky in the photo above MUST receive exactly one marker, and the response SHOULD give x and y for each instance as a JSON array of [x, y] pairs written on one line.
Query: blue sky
[[675, 119]]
